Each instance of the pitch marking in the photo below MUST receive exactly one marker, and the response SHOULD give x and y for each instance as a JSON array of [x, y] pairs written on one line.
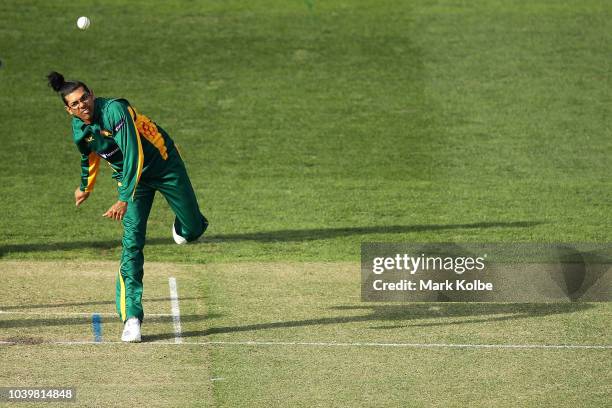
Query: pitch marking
[[84, 314], [96, 324], [176, 313]]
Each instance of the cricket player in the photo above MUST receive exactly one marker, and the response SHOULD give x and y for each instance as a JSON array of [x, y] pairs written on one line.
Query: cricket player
[[144, 160]]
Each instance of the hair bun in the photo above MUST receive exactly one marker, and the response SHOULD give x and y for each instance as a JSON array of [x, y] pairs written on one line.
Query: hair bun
[[56, 80]]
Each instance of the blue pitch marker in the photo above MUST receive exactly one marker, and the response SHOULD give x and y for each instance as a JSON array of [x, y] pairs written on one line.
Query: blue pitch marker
[[96, 324]]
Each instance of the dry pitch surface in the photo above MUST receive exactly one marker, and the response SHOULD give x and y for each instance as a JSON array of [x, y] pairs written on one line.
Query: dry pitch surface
[[292, 334]]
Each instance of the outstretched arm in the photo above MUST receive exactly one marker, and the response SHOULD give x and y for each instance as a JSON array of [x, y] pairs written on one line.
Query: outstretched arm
[[127, 138], [90, 164]]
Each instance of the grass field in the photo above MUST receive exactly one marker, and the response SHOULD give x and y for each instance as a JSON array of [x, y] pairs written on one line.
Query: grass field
[[308, 128]]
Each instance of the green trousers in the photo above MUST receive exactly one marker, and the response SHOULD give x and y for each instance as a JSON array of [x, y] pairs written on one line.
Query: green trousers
[[170, 178]]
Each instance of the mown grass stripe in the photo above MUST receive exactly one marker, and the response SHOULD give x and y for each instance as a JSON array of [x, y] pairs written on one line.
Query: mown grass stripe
[[332, 344]]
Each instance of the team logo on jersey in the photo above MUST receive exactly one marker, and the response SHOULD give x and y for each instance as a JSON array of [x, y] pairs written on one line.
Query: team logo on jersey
[[107, 154], [120, 125]]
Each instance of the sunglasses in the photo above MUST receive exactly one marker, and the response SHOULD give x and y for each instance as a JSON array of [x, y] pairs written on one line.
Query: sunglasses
[[77, 103]]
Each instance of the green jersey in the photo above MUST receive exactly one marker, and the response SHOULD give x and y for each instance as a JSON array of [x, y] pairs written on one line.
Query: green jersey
[[131, 143]]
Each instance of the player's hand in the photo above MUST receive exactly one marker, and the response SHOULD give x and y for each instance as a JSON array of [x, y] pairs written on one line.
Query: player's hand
[[117, 211], [80, 196]]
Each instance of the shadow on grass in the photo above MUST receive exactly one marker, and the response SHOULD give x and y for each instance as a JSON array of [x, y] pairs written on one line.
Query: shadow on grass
[[269, 236], [326, 233], [391, 317], [409, 315], [86, 320], [89, 303]]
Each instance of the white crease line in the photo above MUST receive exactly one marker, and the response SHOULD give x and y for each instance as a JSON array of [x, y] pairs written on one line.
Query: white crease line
[[8, 312], [331, 344], [176, 313], [413, 345]]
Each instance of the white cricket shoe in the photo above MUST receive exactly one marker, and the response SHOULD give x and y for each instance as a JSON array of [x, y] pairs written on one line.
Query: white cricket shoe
[[131, 330], [177, 238]]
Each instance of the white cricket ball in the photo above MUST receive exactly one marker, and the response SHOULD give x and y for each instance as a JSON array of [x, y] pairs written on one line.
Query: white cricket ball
[[83, 22]]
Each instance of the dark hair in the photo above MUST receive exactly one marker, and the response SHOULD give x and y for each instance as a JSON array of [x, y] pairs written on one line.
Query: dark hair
[[63, 87]]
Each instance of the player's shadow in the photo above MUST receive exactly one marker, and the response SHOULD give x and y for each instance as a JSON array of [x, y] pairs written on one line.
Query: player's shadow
[[293, 235], [384, 317], [408, 315], [85, 320], [326, 233], [26, 307]]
